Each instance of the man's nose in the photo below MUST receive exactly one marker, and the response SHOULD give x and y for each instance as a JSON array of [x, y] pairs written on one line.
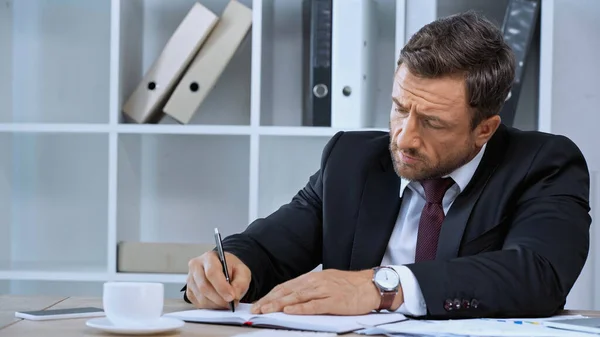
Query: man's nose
[[408, 137]]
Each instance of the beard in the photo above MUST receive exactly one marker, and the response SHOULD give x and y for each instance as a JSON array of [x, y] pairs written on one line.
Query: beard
[[423, 169]]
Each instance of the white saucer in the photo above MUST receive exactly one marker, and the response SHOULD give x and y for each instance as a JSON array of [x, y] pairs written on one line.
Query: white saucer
[[163, 324]]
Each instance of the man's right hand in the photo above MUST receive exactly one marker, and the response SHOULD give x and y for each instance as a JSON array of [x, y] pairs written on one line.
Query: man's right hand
[[207, 287]]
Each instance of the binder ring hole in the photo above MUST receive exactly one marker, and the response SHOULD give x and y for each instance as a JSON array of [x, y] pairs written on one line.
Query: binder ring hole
[[194, 87], [320, 90], [152, 85]]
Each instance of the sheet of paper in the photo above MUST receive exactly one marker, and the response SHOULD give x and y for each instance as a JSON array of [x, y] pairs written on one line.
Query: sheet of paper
[[473, 327], [534, 320], [326, 320]]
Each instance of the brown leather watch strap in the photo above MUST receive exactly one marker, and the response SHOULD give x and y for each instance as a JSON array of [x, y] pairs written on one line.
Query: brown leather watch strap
[[387, 299]]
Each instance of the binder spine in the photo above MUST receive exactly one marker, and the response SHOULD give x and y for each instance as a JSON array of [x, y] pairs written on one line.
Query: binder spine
[[353, 47], [144, 105], [519, 25], [208, 65], [317, 19]]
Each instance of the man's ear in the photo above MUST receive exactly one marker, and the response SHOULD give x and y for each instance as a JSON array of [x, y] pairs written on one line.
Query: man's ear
[[486, 129]]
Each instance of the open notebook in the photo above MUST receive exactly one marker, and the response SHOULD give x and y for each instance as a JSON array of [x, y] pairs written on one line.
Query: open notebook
[[319, 323]]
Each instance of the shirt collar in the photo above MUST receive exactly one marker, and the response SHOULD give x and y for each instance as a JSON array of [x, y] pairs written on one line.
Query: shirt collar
[[461, 176]]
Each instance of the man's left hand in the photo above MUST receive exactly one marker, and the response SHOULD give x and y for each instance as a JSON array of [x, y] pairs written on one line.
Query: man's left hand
[[332, 292]]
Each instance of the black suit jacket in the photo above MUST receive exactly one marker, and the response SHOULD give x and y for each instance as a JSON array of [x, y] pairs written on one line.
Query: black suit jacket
[[512, 244]]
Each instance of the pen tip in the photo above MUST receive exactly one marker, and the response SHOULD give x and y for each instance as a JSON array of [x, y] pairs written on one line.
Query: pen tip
[[216, 231]]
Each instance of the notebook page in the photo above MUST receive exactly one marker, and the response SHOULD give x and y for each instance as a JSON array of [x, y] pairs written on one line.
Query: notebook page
[[241, 315], [327, 323], [284, 333]]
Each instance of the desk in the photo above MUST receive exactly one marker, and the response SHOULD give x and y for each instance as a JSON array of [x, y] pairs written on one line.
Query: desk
[[77, 327], [11, 326], [10, 304]]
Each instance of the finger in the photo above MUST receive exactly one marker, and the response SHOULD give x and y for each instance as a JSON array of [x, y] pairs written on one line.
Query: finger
[[189, 291], [299, 284], [204, 289], [278, 291], [312, 307], [240, 282], [213, 269], [295, 297], [201, 302]]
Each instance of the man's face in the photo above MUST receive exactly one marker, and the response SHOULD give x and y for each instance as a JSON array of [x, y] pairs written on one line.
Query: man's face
[[430, 126]]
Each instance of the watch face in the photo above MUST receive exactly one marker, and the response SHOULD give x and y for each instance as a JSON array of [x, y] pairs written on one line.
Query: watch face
[[387, 278]]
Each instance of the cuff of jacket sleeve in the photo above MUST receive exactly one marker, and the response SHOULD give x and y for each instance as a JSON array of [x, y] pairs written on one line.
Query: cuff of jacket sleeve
[[414, 302]]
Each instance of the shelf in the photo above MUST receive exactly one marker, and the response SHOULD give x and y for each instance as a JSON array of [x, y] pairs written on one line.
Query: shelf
[[54, 128], [282, 171], [53, 199], [76, 178], [66, 287], [145, 28], [54, 64], [292, 131], [163, 129], [184, 129], [282, 90], [58, 271], [71, 288], [177, 188]]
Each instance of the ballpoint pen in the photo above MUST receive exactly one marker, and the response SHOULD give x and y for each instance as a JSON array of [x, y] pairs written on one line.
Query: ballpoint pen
[[221, 254]]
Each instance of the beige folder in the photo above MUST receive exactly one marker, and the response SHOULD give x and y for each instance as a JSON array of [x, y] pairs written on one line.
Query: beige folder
[[146, 102], [209, 63], [157, 257]]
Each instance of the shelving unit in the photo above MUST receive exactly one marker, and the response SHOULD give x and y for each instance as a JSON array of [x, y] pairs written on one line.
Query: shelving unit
[[76, 179]]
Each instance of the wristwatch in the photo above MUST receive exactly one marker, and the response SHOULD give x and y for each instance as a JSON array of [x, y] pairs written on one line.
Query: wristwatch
[[387, 281]]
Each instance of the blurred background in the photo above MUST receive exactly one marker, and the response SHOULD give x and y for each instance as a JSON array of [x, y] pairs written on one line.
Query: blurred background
[[129, 129]]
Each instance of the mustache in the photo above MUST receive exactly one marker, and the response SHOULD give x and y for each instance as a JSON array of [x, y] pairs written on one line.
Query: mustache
[[412, 152]]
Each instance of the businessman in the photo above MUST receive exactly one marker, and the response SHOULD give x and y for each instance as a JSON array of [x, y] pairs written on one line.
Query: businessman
[[451, 214]]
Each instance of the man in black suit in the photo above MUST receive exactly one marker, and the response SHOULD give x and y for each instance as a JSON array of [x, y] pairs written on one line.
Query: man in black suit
[[450, 214]]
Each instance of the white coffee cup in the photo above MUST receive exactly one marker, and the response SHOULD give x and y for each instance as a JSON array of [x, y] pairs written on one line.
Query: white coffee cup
[[133, 303]]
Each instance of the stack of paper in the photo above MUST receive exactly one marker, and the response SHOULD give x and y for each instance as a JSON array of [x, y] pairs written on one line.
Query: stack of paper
[[474, 327]]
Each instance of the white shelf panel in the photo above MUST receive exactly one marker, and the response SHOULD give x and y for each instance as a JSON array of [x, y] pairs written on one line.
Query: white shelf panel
[[54, 128], [52, 276], [305, 131], [282, 171], [177, 188], [53, 196], [54, 266], [163, 129], [55, 285], [30, 270], [54, 64], [184, 129], [151, 277]]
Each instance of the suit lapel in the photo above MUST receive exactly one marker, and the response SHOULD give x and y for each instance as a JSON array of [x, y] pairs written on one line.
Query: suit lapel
[[456, 220], [377, 215]]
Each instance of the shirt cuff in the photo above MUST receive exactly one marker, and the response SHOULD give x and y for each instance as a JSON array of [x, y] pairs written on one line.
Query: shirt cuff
[[414, 303]]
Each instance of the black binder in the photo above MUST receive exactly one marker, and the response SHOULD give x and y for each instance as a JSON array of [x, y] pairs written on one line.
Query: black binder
[[317, 16], [520, 22]]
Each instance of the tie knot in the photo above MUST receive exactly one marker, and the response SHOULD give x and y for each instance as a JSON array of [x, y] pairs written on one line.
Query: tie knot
[[436, 188]]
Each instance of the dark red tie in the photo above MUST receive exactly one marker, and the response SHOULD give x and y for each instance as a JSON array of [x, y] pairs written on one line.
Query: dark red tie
[[432, 217]]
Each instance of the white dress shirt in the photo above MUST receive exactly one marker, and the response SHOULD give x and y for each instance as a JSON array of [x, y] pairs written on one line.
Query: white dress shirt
[[403, 241]]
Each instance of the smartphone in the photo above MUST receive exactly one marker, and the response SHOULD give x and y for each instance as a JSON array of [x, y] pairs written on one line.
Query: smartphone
[[43, 315]]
